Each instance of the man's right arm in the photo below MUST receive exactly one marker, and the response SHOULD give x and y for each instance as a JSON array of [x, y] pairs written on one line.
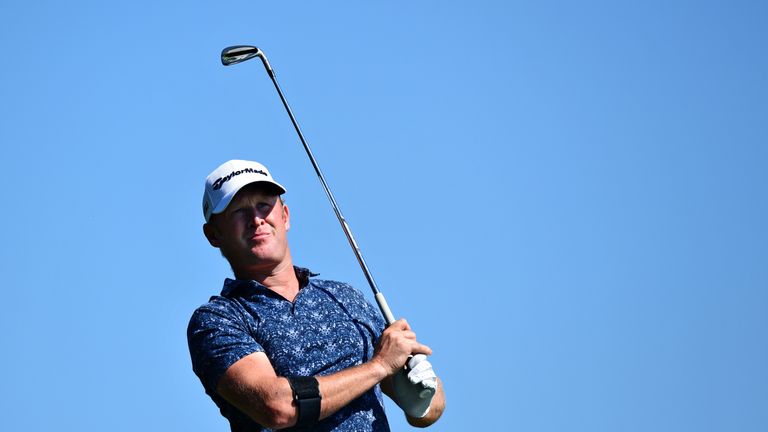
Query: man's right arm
[[252, 386]]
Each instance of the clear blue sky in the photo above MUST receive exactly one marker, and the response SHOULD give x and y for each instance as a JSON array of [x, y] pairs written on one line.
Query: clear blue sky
[[567, 200]]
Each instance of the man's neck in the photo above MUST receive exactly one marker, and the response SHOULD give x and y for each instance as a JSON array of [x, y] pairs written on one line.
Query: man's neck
[[280, 279]]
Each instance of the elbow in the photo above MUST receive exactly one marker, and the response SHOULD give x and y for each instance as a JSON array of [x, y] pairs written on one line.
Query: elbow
[[425, 421], [278, 414], [436, 410], [420, 423]]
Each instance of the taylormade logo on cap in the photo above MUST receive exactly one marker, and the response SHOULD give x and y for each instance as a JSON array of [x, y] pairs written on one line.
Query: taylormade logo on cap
[[225, 181], [217, 184]]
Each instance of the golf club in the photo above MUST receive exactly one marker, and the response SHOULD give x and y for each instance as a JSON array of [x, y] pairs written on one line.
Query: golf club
[[240, 53]]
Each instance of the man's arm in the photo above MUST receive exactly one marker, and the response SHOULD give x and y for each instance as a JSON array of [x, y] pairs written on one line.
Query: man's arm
[[252, 386], [436, 407]]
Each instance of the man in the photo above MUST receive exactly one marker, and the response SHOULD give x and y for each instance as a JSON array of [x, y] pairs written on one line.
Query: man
[[281, 349]]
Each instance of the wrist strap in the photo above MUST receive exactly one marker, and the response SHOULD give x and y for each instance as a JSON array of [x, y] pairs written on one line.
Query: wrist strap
[[306, 393]]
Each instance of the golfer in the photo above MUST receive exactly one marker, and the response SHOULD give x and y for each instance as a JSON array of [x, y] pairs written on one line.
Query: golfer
[[280, 348]]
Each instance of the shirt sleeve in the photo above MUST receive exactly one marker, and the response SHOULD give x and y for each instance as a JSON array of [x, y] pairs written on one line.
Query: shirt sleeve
[[218, 336]]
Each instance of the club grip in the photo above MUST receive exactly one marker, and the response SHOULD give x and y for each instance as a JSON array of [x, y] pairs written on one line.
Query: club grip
[[388, 317]]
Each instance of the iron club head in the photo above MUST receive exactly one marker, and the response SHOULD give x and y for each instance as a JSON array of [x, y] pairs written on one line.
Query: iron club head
[[238, 54]]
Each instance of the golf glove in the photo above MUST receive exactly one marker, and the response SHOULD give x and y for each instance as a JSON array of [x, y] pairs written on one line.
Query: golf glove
[[414, 387]]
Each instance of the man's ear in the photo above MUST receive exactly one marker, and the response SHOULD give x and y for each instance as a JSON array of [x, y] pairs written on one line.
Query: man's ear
[[287, 217], [210, 233]]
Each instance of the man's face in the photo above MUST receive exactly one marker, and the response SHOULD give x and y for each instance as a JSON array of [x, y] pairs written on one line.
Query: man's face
[[252, 232]]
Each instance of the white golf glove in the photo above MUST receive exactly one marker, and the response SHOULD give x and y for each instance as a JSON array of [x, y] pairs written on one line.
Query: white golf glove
[[415, 387]]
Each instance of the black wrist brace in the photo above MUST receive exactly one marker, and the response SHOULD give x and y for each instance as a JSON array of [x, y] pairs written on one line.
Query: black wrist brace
[[306, 393]]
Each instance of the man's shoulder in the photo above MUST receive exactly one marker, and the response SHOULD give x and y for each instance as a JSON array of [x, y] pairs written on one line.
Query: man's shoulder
[[227, 300], [345, 294], [330, 283], [335, 286], [217, 302], [217, 307]]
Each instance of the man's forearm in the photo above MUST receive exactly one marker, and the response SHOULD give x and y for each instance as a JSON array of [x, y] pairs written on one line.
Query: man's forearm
[[252, 386], [340, 388]]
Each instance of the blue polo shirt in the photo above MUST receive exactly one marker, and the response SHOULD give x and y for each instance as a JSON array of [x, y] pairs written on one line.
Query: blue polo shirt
[[327, 328]]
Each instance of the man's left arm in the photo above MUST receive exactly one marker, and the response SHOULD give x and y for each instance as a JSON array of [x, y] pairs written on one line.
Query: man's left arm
[[436, 408], [407, 390]]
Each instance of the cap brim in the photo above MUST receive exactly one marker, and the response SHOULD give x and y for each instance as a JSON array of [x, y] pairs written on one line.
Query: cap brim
[[226, 199]]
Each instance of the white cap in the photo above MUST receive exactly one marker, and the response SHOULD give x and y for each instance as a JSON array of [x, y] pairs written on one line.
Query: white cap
[[225, 181]]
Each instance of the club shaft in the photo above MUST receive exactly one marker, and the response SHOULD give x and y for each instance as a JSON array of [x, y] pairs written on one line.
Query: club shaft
[[380, 300]]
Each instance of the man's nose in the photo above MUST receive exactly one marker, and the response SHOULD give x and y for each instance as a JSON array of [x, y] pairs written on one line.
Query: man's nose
[[256, 218]]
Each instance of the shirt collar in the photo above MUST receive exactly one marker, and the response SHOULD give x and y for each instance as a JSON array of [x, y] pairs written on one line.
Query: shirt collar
[[232, 285]]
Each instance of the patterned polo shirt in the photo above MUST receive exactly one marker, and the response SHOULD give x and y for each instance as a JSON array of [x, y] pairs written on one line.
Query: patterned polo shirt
[[328, 327]]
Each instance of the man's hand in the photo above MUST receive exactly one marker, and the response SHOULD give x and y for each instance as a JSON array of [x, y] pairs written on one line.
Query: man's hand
[[415, 387], [396, 344], [417, 390]]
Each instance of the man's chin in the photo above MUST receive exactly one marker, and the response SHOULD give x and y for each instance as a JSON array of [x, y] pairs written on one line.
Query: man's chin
[[264, 260]]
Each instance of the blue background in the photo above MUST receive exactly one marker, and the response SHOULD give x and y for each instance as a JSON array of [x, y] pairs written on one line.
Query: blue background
[[567, 200]]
